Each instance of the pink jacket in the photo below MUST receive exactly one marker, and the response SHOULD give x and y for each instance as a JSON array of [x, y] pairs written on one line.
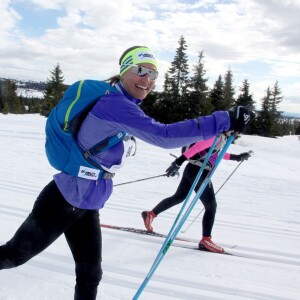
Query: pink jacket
[[202, 146]]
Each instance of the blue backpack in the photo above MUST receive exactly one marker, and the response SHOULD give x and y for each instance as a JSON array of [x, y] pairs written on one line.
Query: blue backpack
[[62, 150]]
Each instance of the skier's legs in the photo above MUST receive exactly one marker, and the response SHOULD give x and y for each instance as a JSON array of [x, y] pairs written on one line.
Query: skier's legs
[[46, 222], [210, 204], [84, 239], [189, 174]]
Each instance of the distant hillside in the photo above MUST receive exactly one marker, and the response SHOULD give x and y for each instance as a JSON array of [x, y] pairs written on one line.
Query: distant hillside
[[33, 85], [28, 89], [291, 115]]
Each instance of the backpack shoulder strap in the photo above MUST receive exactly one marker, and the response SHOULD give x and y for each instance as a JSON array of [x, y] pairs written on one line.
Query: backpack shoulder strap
[[86, 93], [105, 144]]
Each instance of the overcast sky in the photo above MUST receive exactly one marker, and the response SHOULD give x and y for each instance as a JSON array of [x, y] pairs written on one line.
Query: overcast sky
[[258, 40]]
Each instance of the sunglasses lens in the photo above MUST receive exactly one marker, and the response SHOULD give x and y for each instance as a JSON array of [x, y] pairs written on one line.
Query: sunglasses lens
[[142, 71]]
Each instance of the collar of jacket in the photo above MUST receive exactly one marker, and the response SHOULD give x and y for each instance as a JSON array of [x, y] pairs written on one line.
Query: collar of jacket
[[122, 90]]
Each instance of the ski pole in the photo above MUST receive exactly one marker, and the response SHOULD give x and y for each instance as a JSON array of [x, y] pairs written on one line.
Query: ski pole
[[140, 180], [250, 153], [184, 231], [173, 231], [202, 187], [172, 235]]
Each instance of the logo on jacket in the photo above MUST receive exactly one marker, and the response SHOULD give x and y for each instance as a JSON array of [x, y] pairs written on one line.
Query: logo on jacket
[[88, 173]]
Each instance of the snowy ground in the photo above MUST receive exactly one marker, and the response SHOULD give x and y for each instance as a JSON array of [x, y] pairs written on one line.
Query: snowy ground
[[258, 210]]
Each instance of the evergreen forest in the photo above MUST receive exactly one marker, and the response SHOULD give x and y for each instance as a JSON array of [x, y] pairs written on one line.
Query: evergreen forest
[[185, 95]]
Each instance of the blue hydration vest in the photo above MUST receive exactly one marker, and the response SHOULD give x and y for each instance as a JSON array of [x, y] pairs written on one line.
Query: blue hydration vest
[[62, 150]]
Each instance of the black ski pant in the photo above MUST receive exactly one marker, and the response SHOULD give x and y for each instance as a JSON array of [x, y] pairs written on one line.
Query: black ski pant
[[52, 216], [207, 198]]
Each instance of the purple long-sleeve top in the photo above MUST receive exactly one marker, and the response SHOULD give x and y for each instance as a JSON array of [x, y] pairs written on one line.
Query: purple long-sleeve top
[[119, 111]]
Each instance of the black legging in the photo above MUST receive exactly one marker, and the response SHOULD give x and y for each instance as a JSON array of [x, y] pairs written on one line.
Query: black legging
[[52, 216], [208, 197]]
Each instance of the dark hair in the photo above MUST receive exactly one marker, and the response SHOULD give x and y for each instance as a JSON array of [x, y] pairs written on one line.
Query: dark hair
[[116, 78], [113, 79]]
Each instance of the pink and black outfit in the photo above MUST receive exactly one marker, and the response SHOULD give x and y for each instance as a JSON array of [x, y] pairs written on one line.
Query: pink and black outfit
[[196, 155]]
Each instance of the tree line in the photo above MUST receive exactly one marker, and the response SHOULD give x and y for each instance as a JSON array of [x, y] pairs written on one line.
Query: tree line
[[185, 95]]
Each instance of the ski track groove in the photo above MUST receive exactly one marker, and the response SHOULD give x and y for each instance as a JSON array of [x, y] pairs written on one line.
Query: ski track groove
[[180, 291], [245, 252], [269, 231], [173, 283], [53, 262], [22, 135], [251, 228], [21, 189]]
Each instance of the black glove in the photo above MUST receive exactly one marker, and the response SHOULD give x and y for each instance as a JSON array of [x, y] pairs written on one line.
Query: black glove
[[240, 157], [173, 170], [244, 156], [240, 118]]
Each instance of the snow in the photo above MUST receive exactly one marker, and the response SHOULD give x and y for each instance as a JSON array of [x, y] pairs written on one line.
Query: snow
[[258, 212], [30, 93]]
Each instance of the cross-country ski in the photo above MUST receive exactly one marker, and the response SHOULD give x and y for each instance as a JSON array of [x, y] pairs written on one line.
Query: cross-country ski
[[233, 250]]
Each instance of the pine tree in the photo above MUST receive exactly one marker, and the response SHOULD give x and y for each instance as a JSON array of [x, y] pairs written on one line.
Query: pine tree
[[245, 98], [270, 119], [149, 106], [265, 119], [174, 96], [199, 100], [54, 91], [286, 126], [216, 95], [1, 97], [178, 72], [11, 103], [33, 105], [276, 115], [164, 103], [297, 127], [228, 90]]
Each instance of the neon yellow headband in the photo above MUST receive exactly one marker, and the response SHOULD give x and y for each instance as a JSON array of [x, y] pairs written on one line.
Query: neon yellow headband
[[137, 56]]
